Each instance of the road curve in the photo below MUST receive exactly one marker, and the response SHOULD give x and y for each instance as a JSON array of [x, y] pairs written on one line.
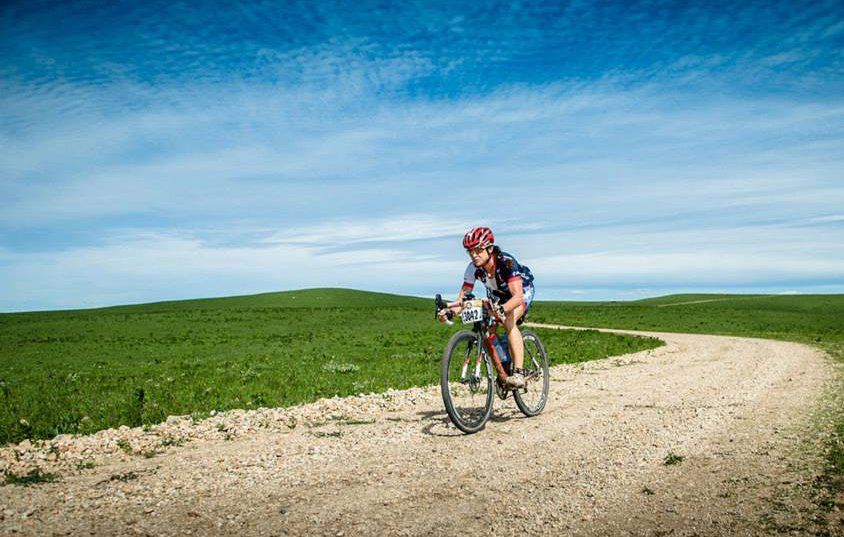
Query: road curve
[[737, 410]]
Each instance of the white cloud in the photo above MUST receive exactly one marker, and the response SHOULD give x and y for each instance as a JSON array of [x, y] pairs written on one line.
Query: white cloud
[[828, 219], [390, 229]]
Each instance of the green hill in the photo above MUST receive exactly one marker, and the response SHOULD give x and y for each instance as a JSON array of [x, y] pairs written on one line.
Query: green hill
[[304, 298]]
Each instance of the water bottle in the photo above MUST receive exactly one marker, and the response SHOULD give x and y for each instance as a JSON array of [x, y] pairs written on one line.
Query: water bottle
[[505, 344], [502, 348]]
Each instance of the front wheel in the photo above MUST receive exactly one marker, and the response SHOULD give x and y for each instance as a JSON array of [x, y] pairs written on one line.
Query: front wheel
[[466, 382], [531, 400]]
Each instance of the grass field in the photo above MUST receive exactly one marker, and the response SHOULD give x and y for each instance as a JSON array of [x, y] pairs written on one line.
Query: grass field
[[816, 319], [813, 319], [85, 370]]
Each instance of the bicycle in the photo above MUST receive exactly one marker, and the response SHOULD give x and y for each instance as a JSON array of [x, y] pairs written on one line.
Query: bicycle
[[467, 387]]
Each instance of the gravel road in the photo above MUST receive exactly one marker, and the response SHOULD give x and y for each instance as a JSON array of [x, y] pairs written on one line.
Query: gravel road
[[738, 412]]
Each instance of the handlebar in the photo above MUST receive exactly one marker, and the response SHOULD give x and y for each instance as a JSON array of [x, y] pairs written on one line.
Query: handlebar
[[441, 305], [449, 315]]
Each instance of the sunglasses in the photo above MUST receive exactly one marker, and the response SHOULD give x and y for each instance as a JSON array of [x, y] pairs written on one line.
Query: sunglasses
[[475, 251]]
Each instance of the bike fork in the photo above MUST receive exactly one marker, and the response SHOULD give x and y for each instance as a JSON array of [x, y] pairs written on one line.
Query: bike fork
[[468, 359]]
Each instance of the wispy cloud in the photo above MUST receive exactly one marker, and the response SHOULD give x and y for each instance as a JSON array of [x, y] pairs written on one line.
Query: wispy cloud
[[396, 231]]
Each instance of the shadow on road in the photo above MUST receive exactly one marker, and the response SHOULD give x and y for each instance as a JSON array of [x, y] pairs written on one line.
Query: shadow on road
[[437, 422]]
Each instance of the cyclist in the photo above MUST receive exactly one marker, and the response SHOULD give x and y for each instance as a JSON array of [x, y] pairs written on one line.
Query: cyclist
[[509, 285]]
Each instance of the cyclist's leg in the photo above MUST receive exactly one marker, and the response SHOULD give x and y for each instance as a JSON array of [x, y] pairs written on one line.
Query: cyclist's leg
[[511, 325], [517, 345]]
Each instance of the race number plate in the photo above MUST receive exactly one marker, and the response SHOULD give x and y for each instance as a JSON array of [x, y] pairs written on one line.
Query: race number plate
[[471, 315]]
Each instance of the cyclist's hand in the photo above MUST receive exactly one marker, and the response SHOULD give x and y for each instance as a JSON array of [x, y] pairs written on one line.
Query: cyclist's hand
[[498, 309], [445, 315]]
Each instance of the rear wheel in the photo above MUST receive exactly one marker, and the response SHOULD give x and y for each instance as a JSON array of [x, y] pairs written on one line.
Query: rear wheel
[[532, 398], [466, 382]]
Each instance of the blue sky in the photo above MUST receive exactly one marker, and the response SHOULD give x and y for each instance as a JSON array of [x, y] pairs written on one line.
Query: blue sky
[[152, 151]]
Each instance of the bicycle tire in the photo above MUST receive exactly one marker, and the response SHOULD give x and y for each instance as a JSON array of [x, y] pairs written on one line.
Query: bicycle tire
[[451, 384], [536, 360]]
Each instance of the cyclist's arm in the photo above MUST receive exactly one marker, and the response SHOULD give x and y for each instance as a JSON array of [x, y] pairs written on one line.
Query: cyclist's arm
[[468, 283], [460, 295], [456, 307]]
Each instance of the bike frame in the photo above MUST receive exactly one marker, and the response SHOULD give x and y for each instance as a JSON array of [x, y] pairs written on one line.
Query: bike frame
[[486, 334]]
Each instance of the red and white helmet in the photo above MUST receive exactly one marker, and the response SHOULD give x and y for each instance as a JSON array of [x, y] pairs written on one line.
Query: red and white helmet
[[479, 237]]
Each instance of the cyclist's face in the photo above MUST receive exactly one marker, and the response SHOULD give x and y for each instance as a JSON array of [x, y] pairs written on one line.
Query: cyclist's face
[[479, 256]]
